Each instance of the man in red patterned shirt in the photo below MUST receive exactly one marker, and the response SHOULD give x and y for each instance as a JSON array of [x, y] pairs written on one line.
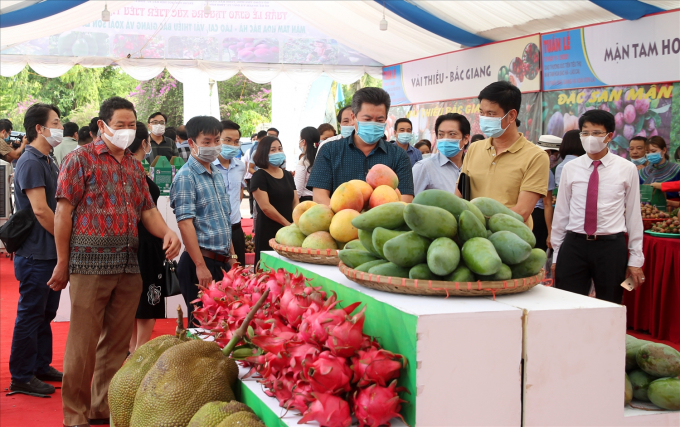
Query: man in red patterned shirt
[[102, 195]]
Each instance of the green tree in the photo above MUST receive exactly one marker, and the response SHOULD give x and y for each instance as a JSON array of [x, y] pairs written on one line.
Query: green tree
[[245, 102], [162, 93]]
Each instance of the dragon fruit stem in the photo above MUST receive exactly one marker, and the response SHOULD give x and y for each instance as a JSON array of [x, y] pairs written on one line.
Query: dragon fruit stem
[[241, 331]]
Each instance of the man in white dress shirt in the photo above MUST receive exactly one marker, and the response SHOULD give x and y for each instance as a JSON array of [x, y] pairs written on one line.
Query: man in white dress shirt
[[598, 203]]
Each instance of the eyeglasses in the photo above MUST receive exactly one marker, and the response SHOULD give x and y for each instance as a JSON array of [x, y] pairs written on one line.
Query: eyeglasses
[[596, 133], [156, 122]]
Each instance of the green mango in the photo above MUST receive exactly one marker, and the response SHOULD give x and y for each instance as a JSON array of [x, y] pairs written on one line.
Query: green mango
[[469, 227], [381, 236], [640, 380], [488, 233], [632, 346], [475, 210], [665, 393], [629, 391], [421, 272], [480, 256], [510, 247], [659, 360], [503, 222], [461, 274], [389, 215], [389, 269], [406, 250], [443, 256], [491, 207], [368, 265], [354, 257], [290, 236], [530, 266], [355, 244], [366, 239], [430, 221], [505, 273], [441, 199]]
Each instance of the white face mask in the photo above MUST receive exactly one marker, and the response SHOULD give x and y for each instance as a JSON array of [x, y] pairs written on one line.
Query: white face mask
[[122, 138], [158, 130], [146, 153], [593, 144], [55, 138]]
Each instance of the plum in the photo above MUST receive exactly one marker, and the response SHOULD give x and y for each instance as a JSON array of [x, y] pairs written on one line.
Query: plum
[[650, 124], [641, 106], [556, 124], [642, 133], [655, 132], [618, 119], [570, 122], [629, 114], [628, 97], [628, 132], [617, 104], [604, 107]]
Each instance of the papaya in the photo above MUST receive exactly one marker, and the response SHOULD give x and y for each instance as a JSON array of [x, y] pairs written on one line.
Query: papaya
[[406, 250], [367, 241], [469, 226], [503, 222], [632, 346], [443, 256], [659, 360], [389, 269], [389, 215], [461, 274], [381, 236], [629, 392], [505, 273], [354, 257], [665, 393], [510, 247], [355, 244], [530, 266], [491, 207], [480, 256], [640, 380], [368, 265], [441, 199], [421, 272], [430, 221], [475, 210]]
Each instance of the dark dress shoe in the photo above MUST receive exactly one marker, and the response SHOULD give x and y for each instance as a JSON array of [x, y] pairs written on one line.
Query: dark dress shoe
[[34, 386], [79, 425], [51, 375], [99, 422]]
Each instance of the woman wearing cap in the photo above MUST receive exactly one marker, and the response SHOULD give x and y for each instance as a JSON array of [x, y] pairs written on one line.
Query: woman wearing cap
[[543, 211]]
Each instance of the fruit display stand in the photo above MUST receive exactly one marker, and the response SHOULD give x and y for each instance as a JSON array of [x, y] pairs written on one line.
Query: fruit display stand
[[542, 357]]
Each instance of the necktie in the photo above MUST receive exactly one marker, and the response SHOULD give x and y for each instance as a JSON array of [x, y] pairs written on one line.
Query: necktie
[[590, 224]]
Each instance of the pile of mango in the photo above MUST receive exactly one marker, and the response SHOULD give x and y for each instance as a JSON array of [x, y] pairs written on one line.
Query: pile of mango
[[443, 237], [652, 372]]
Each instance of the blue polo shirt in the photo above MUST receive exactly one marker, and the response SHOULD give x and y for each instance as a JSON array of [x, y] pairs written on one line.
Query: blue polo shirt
[[340, 161], [35, 170]]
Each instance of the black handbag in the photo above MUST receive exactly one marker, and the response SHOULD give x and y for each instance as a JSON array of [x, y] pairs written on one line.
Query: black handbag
[[464, 186], [171, 281], [16, 230]]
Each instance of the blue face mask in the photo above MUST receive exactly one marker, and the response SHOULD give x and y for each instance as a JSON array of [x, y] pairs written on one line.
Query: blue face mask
[[654, 158], [370, 132], [346, 131], [640, 161], [277, 159], [448, 147], [404, 138], [229, 151], [491, 126]]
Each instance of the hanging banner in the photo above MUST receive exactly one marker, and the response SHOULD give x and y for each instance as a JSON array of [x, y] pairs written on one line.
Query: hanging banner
[[423, 116], [625, 52], [638, 110], [463, 74]]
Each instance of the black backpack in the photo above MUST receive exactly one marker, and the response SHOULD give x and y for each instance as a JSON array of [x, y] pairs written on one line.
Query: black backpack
[[16, 230]]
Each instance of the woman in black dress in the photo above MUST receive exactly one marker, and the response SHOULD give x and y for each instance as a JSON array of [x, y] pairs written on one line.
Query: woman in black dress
[[274, 192], [150, 255]]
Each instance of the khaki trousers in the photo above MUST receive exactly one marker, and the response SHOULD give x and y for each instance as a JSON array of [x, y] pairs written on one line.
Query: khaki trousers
[[102, 317]]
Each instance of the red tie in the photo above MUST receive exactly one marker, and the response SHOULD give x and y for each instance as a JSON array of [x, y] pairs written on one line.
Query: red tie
[[590, 224]]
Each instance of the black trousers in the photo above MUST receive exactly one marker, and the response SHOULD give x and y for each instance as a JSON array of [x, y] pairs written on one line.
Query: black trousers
[[188, 281], [238, 239], [540, 228], [602, 261], [250, 197], [306, 199]]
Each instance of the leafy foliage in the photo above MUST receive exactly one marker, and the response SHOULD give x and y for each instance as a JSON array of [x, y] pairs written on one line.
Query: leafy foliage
[[162, 93], [245, 102]]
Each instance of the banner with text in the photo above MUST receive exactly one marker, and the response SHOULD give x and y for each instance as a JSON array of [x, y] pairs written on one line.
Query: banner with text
[[465, 73], [619, 53]]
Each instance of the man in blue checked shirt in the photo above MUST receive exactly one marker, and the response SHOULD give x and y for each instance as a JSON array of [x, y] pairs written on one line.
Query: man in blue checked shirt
[[351, 158], [201, 204]]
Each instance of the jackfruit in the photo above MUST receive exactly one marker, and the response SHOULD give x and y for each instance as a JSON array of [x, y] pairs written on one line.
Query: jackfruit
[[125, 383], [213, 413], [242, 419], [185, 377]]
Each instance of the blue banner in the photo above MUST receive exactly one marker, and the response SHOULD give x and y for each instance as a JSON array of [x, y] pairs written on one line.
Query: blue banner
[[393, 84], [565, 62]]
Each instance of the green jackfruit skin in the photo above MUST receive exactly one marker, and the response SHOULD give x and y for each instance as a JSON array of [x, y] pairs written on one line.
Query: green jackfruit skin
[[242, 419], [213, 413], [124, 384], [186, 377]]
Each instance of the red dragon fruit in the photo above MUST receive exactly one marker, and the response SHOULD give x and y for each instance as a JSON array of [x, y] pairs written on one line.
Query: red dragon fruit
[[302, 397], [328, 410], [376, 367], [376, 406], [315, 326], [346, 339], [328, 374], [301, 353]]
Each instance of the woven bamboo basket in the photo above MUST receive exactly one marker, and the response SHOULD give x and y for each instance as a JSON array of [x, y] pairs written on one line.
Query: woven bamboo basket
[[436, 287], [310, 256]]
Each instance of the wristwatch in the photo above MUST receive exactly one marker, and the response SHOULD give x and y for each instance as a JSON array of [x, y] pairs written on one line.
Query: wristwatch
[[233, 256]]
